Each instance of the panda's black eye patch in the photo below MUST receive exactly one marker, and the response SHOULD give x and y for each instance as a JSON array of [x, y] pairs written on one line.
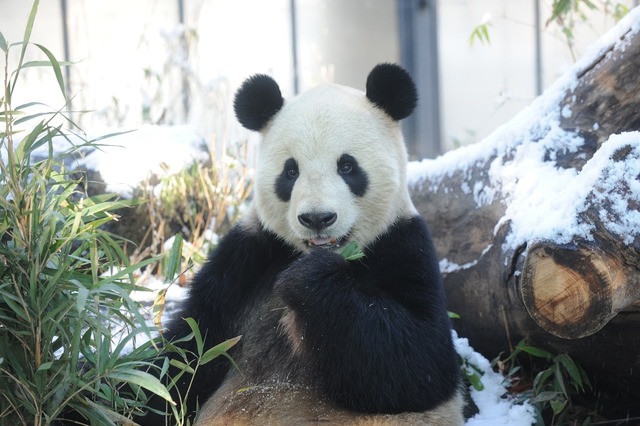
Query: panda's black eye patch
[[353, 175], [286, 179]]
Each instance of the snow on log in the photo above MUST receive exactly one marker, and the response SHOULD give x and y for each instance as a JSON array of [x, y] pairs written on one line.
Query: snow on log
[[575, 289], [538, 226]]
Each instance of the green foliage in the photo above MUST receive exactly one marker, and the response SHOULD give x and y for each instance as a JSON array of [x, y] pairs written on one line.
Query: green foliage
[[555, 385], [472, 374], [200, 358], [64, 283], [565, 14], [71, 337], [480, 34], [351, 252]]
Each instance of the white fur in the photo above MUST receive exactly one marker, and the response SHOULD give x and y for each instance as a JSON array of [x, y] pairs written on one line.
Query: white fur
[[316, 129]]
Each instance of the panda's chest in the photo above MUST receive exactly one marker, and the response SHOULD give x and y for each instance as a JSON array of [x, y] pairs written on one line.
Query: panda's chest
[[268, 345]]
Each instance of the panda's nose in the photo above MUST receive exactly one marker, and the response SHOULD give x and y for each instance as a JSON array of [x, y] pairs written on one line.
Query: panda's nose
[[317, 221]]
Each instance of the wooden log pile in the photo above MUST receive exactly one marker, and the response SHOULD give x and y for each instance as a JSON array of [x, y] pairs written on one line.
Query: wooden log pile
[[538, 226]]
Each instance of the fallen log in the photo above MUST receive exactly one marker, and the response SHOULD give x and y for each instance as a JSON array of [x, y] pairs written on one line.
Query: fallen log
[[538, 226]]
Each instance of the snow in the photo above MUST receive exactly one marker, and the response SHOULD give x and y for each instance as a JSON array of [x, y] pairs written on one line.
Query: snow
[[174, 293], [447, 266], [544, 200], [128, 159], [618, 185], [547, 204], [494, 409]]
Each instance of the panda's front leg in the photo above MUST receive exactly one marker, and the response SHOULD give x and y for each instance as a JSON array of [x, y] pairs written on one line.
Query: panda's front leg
[[238, 273], [374, 350]]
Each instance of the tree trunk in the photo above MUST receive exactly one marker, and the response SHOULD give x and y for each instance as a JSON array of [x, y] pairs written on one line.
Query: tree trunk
[[538, 226]]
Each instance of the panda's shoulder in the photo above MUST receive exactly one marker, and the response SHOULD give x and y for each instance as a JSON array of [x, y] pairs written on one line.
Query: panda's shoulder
[[405, 235]]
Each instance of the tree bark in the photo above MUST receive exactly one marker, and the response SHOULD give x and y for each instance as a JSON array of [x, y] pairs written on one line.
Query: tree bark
[[575, 292]]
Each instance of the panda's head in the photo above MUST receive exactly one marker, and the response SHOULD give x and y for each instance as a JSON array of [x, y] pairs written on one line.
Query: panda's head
[[332, 166]]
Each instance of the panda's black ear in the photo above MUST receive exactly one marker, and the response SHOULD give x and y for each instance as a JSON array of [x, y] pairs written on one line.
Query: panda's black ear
[[391, 88], [257, 101]]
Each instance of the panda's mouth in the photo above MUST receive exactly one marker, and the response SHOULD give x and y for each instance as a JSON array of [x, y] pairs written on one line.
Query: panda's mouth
[[325, 242]]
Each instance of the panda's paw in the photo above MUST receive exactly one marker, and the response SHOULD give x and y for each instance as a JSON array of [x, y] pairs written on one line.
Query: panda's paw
[[313, 272]]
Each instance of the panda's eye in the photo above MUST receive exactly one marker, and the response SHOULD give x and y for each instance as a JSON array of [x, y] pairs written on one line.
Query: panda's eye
[[353, 175], [287, 179], [345, 167], [290, 170]]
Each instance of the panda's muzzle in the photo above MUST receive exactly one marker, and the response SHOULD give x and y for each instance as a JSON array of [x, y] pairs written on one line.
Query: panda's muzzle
[[319, 222]]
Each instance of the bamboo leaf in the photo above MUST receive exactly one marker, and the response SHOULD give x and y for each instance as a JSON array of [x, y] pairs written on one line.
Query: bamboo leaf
[[45, 366], [56, 68], [105, 416], [25, 41], [559, 379], [537, 352], [571, 368], [17, 309], [175, 255], [107, 282], [559, 8], [144, 380], [351, 252], [474, 379], [81, 300], [196, 333], [31, 117], [182, 366], [219, 349], [541, 378], [30, 104], [32, 64], [544, 396], [24, 146], [558, 406], [110, 135], [117, 351], [158, 307], [3, 43], [480, 34], [115, 289]]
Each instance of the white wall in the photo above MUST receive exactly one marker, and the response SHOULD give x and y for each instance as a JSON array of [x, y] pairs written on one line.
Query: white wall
[[483, 86], [340, 41], [116, 42]]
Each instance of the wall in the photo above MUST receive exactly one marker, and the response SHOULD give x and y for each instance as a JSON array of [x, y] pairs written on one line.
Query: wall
[[136, 63]]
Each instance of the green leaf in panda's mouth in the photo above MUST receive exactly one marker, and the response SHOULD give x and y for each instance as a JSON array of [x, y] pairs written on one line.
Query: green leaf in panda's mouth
[[352, 252]]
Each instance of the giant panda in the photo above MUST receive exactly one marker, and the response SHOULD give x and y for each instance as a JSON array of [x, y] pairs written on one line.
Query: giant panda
[[325, 339]]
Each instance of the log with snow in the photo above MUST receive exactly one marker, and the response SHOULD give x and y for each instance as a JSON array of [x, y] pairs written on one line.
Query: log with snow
[[538, 226]]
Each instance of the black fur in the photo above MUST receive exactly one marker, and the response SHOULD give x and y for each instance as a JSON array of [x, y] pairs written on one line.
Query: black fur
[[376, 336], [376, 331], [238, 276], [257, 101], [353, 175], [392, 89], [286, 180]]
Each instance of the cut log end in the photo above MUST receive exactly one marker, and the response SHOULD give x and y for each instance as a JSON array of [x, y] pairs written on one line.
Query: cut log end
[[573, 292]]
